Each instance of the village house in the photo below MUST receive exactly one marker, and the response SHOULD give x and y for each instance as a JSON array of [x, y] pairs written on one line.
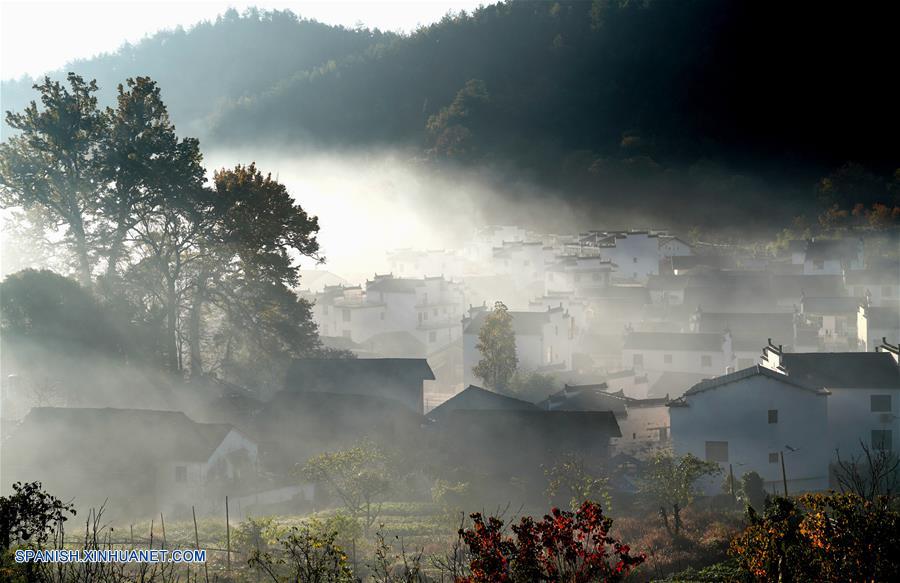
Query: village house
[[427, 309], [671, 246], [474, 398], [667, 289], [748, 420], [502, 444], [878, 287], [748, 330], [577, 273], [524, 262], [789, 289], [875, 325], [699, 353], [643, 423], [543, 341], [834, 319], [864, 401], [830, 256], [636, 254], [143, 461]]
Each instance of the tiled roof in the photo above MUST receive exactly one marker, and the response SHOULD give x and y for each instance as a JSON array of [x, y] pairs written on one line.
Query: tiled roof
[[746, 373]]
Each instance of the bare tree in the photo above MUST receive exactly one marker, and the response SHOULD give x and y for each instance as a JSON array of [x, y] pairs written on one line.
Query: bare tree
[[871, 474]]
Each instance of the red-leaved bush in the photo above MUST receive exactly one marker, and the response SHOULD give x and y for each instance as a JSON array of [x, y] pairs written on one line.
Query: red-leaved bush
[[564, 547]]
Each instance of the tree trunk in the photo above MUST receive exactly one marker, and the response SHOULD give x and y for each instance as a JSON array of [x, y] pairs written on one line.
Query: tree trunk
[[171, 326], [196, 322], [81, 250]]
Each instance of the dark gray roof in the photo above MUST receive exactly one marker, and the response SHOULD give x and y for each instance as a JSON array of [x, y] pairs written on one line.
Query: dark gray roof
[[842, 249], [874, 277], [790, 285], [674, 384], [883, 317], [839, 305], [749, 326], [843, 370], [475, 398], [689, 341], [746, 373], [126, 434]]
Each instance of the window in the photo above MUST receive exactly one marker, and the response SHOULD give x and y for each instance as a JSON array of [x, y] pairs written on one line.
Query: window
[[634, 260], [667, 358], [706, 360], [181, 474], [637, 360], [773, 458], [432, 336], [717, 451], [882, 439], [880, 403], [556, 330], [773, 416], [346, 314]]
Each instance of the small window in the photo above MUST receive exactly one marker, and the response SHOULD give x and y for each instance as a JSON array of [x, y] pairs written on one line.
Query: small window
[[181, 474], [637, 360], [667, 358], [717, 451], [346, 315], [880, 403], [432, 336], [773, 458], [773, 416], [435, 312], [556, 330], [706, 361], [634, 260], [882, 439]]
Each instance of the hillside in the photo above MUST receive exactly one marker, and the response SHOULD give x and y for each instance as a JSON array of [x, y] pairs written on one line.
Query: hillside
[[727, 103]]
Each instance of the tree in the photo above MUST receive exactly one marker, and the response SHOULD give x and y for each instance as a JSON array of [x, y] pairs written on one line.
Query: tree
[[141, 162], [562, 547], [248, 265], [670, 483], [55, 312], [307, 553], [752, 491], [51, 164], [29, 515], [360, 476], [871, 475], [497, 344], [820, 537], [570, 477]]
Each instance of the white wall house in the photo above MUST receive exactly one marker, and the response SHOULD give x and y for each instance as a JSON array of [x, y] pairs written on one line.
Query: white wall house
[[833, 256], [427, 309], [864, 405], [577, 273], [748, 419], [700, 353], [543, 341], [877, 287], [876, 324], [635, 253], [670, 246]]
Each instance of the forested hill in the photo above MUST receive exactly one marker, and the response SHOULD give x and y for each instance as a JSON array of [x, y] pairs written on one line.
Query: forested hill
[[580, 95]]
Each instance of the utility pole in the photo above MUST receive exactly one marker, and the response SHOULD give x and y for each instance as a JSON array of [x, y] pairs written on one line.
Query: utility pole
[[731, 480], [783, 474]]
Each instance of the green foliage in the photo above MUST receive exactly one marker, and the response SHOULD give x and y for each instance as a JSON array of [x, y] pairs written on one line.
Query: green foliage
[[569, 477], [308, 553], [670, 483], [497, 345], [360, 476], [531, 386]]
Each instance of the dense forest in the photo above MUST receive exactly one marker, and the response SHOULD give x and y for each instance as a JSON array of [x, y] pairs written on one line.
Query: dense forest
[[728, 103]]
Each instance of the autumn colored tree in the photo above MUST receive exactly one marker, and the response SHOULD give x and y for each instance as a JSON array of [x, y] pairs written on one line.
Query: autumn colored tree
[[564, 546], [497, 344], [821, 537], [571, 477]]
